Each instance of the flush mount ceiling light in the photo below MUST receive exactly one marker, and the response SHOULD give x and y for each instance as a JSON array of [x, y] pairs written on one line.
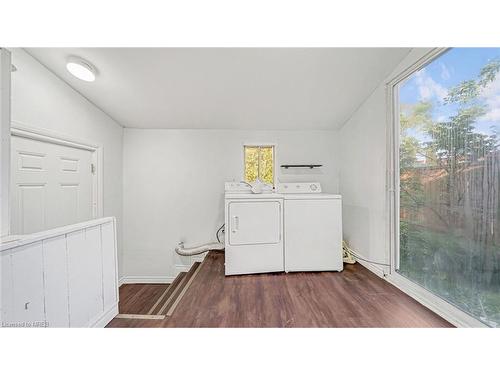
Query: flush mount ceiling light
[[81, 69]]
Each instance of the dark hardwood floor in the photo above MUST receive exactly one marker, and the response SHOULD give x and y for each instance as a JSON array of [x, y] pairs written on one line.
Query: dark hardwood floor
[[139, 298], [352, 298]]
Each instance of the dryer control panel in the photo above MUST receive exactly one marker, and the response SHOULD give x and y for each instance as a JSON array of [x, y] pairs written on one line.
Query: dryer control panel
[[299, 187], [243, 187]]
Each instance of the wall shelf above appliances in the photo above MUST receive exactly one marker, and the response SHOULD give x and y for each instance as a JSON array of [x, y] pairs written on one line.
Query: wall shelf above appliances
[[310, 166]]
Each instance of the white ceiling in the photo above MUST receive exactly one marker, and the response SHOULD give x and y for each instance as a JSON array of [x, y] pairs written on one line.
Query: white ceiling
[[228, 88]]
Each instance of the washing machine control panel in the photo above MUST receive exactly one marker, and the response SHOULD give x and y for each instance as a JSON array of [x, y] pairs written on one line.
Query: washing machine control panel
[[299, 187]]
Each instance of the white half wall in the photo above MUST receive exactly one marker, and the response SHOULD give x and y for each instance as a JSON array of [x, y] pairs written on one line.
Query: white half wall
[[174, 186], [363, 173], [42, 100]]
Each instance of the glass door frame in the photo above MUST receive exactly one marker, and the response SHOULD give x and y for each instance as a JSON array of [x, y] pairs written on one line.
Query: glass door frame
[[422, 295]]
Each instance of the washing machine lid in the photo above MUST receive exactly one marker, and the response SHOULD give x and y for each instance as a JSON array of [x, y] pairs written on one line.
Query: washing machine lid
[[304, 190], [308, 196]]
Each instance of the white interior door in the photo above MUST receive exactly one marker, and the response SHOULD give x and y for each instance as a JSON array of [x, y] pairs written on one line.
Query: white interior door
[[51, 185]]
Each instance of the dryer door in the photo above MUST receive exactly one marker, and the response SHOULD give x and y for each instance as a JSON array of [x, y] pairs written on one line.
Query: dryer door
[[254, 222]]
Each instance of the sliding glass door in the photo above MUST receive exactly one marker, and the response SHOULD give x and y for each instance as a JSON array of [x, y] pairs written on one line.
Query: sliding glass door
[[449, 159]]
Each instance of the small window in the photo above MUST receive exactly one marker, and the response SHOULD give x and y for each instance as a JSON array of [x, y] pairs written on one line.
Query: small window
[[259, 163]]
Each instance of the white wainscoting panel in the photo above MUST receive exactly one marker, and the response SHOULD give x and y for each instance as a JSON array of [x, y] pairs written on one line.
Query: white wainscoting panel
[[27, 284], [56, 281], [64, 277], [109, 261]]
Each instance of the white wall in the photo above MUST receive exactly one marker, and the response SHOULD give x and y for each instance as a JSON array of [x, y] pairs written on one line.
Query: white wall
[[363, 172], [174, 185], [42, 100], [4, 139], [173, 179]]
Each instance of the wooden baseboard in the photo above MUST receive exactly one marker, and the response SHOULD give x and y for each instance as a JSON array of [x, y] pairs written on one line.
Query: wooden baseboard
[[377, 270], [106, 317]]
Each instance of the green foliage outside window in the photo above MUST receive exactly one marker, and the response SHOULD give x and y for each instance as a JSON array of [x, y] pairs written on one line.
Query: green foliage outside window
[[259, 164], [450, 192]]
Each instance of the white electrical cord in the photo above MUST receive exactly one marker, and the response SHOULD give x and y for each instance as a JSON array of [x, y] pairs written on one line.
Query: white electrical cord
[[349, 253]]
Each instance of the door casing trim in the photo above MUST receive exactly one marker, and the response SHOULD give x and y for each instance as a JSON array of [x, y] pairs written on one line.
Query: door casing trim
[[19, 129]]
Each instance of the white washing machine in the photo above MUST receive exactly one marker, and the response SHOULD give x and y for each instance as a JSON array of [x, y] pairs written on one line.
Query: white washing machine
[[313, 228], [253, 231]]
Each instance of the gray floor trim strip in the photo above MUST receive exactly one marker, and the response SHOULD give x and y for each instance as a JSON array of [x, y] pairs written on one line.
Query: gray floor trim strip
[[140, 316], [150, 312], [171, 296], [184, 290]]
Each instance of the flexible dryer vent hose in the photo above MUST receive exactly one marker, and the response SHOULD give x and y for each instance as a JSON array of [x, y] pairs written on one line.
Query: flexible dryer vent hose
[[186, 251]]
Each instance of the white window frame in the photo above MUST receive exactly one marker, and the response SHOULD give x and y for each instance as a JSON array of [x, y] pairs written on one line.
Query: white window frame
[[260, 144], [424, 296]]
